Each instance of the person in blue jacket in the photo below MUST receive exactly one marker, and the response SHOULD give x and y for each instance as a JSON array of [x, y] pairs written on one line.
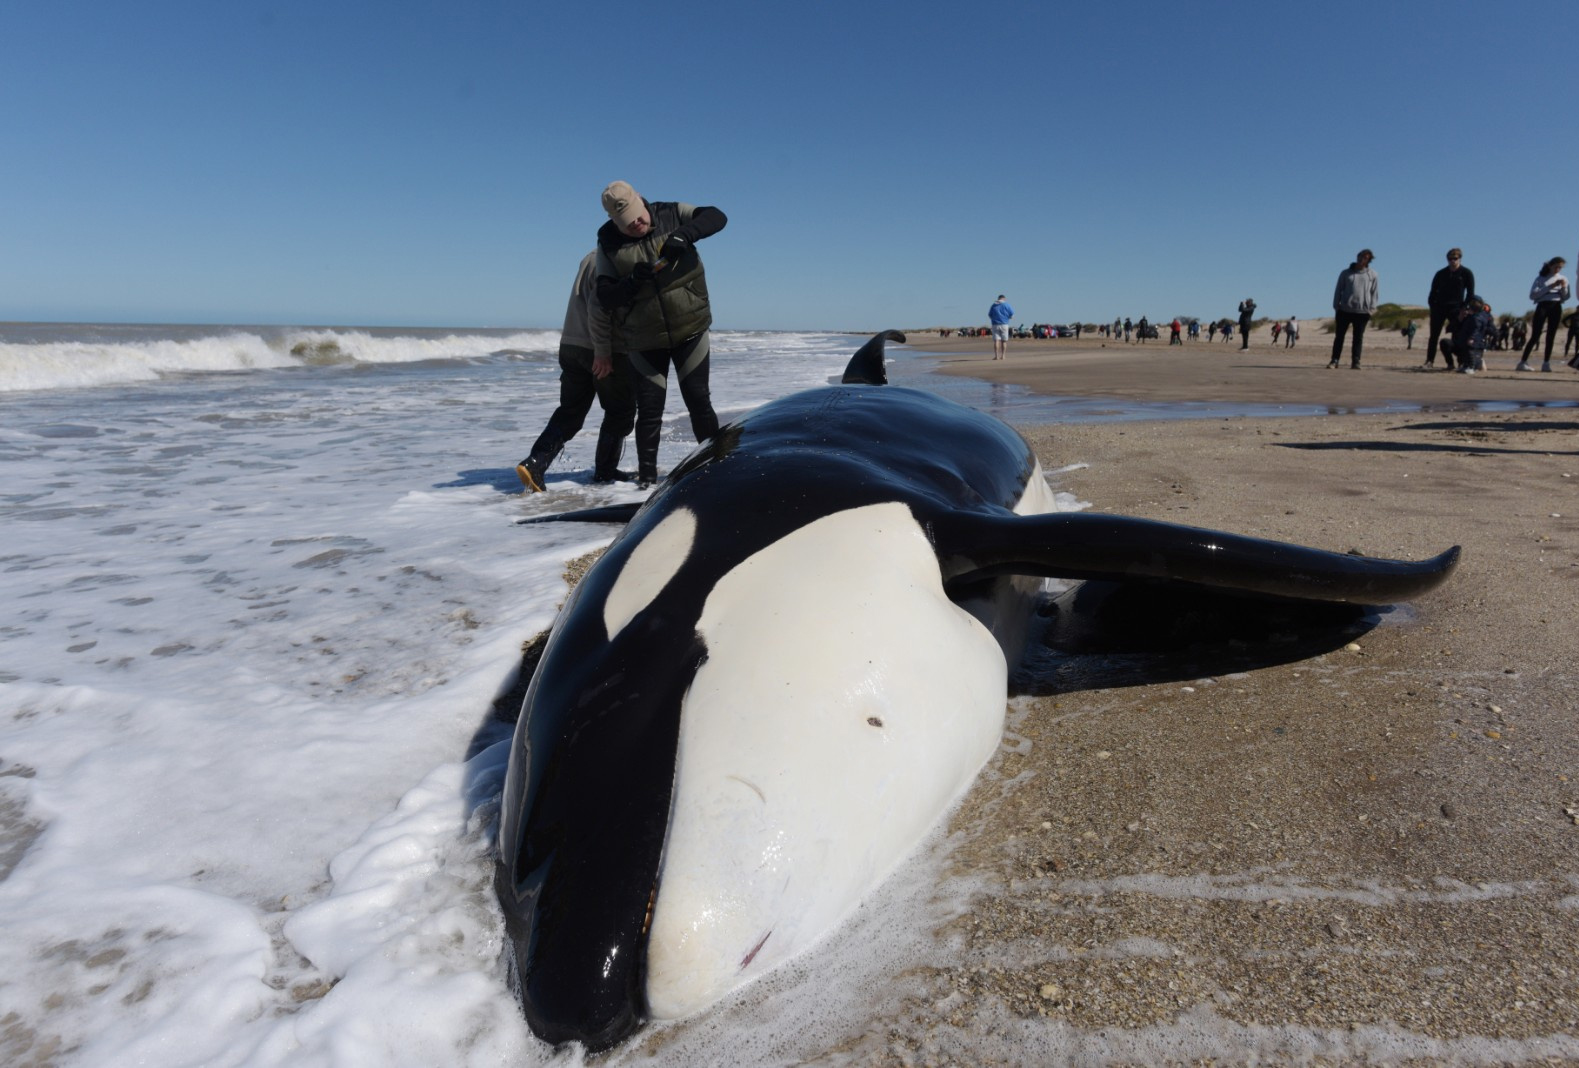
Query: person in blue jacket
[[999, 315], [1470, 335]]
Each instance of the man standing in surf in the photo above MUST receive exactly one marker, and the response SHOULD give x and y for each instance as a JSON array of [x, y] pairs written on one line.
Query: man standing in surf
[[650, 278], [588, 367]]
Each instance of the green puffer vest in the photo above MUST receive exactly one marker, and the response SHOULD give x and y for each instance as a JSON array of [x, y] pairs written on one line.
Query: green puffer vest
[[672, 307]]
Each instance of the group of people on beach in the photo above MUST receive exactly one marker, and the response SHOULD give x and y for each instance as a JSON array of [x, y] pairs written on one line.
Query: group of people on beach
[[1456, 310], [638, 308]]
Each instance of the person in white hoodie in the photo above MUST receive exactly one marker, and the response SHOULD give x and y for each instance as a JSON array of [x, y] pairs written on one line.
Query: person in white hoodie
[[1548, 292], [1354, 301]]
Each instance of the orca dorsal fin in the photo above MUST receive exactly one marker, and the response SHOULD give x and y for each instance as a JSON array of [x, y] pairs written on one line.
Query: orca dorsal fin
[[866, 366]]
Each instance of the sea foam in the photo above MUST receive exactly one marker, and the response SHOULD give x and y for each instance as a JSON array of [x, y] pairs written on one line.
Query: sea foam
[[48, 356]]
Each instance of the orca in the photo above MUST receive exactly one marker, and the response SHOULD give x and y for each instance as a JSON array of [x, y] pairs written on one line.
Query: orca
[[784, 670]]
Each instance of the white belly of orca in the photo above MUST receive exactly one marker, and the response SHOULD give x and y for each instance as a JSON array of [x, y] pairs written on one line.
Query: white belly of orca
[[844, 705]]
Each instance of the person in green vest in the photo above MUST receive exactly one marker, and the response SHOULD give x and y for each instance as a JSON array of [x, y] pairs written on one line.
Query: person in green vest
[[651, 280]]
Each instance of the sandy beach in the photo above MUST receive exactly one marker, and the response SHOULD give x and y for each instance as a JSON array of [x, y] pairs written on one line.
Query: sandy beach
[[1263, 374], [1364, 851]]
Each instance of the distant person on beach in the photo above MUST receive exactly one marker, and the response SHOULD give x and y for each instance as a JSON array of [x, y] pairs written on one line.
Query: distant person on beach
[[1228, 330], [1247, 314], [1195, 330], [1290, 332], [1472, 328], [1211, 331], [1409, 334], [1354, 302], [1548, 291], [1142, 330], [1175, 330], [1451, 287], [999, 315], [588, 367], [651, 280]]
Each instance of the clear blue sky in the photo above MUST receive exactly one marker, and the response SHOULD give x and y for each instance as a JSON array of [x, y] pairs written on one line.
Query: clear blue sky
[[881, 164]]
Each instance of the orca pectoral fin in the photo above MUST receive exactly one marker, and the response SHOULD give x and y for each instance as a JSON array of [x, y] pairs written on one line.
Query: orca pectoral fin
[[613, 513], [866, 366], [1117, 548]]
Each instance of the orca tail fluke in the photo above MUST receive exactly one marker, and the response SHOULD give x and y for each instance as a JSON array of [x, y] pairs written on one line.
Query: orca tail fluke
[[1118, 548], [866, 366]]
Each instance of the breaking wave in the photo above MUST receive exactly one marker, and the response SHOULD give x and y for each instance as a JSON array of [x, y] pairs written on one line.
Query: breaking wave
[[69, 357]]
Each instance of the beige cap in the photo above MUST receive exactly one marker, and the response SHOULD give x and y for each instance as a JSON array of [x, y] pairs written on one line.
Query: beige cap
[[622, 203]]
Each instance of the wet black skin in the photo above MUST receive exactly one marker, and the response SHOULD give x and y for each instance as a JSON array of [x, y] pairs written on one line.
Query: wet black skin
[[587, 797]]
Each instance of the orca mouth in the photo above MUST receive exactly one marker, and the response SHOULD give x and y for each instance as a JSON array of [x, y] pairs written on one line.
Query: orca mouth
[[584, 816], [572, 985], [597, 1016]]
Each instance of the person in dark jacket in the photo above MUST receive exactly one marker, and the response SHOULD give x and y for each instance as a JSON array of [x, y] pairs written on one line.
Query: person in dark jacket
[[1471, 331], [1451, 287], [1247, 314], [650, 278]]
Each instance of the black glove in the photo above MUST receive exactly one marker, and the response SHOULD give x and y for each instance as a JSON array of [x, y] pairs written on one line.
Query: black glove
[[675, 246], [643, 271]]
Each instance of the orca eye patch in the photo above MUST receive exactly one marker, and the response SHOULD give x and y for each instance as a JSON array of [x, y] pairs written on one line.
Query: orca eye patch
[[649, 568]]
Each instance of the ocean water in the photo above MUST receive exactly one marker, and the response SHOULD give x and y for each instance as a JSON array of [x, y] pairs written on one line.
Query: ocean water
[[260, 588]]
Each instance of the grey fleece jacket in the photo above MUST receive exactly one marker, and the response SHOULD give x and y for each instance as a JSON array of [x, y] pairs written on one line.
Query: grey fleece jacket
[[1356, 291], [587, 323]]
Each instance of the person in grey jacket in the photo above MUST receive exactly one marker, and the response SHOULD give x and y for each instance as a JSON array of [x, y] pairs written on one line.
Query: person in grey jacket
[[1354, 302], [588, 367]]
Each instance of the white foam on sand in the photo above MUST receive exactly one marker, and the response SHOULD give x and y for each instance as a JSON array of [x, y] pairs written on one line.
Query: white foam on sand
[[253, 624]]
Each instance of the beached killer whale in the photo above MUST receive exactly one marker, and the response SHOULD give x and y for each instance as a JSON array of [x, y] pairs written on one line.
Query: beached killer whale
[[783, 671]]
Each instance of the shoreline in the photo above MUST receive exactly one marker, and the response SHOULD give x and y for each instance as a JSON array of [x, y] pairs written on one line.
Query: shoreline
[[1263, 374], [1366, 853]]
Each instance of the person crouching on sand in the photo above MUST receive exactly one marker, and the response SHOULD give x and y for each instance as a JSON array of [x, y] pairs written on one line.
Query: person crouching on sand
[[1470, 333]]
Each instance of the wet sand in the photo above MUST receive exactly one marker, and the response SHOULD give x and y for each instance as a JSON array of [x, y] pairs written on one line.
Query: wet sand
[[1263, 374], [1366, 853]]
